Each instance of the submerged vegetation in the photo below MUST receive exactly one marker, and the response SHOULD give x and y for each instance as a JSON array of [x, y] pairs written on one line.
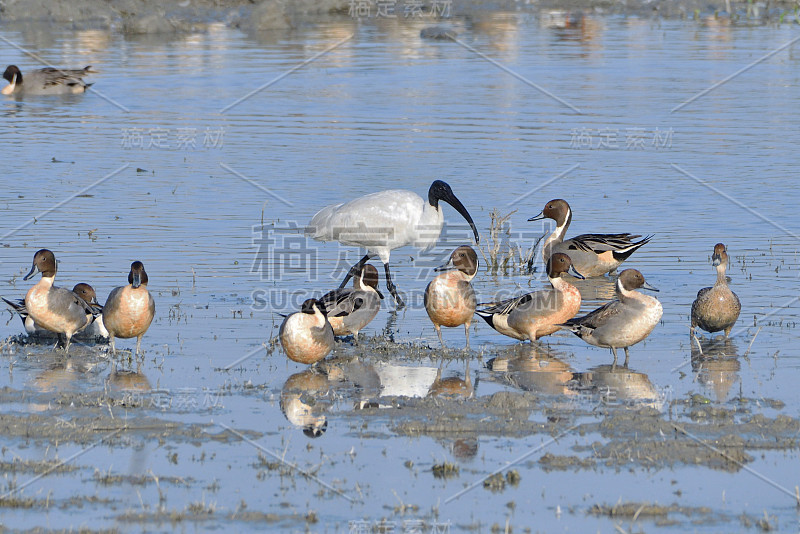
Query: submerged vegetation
[[504, 252]]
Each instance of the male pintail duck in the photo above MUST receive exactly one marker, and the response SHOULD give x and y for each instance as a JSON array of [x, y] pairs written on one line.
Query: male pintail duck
[[540, 313], [591, 254], [307, 336], [84, 291], [129, 309], [716, 308], [622, 322], [449, 298], [55, 308], [350, 310], [47, 81]]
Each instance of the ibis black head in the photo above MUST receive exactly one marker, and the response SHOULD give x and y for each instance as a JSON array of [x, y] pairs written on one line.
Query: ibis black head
[[441, 191]]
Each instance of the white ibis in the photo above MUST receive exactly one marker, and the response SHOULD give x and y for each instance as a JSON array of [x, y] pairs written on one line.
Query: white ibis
[[383, 221]]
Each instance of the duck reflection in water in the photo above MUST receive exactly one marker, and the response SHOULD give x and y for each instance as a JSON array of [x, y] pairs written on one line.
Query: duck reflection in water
[[62, 375], [716, 366], [305, 399], [464, 447], [452, 387], [611, 384], [353, 379], [127, 380], [533, 368]]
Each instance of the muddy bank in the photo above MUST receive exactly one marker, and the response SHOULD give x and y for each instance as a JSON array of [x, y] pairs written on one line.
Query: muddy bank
[[145, 17], [632, 431]]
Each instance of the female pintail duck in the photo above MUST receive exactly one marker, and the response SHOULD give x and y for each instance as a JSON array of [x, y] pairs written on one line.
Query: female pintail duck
[[55, 308], [449, 298], [716, 308], [591, 254], [129, 309], [350, 310], [622, 322], [540, 313], [47, 81], [307, 336], [84, 291]]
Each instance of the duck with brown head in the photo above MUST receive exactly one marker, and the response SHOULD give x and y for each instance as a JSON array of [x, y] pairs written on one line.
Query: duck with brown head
[[591, 254], [622, 322], [54, 308], [350, 310], [449, 298], [307, 336], [716, 308], [84, 291], [130, 309], [537, 314]]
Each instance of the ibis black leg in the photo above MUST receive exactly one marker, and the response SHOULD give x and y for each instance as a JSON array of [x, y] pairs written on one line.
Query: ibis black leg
[[391, 288], [354, 270]]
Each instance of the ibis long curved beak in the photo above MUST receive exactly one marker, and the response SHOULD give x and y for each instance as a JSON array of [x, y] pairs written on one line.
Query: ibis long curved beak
[[451, 199]]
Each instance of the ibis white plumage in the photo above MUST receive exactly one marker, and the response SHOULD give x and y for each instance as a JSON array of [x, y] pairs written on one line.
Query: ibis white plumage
[[383, 221]]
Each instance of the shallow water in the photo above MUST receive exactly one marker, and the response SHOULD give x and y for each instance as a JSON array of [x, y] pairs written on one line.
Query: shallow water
[[159, 165]]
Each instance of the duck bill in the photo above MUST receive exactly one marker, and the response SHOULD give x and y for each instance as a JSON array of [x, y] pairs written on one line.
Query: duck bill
[[32, 272], [716, 260], [649, 287], [378, 291], [136, 280], [449, 266], [574, 272], [537, 217], [453, 201]]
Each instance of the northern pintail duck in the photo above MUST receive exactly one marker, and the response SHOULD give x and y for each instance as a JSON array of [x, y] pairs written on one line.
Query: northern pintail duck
[[55, 308], [129, 309], [384, 221], [303, 401], [622, 322], [88, 294], [84, 291], [350, 310], [452, 387], [47, 81], [614, 385], [591, 254], [307, 336], [449, 298], [540, 313], [716, 308]]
